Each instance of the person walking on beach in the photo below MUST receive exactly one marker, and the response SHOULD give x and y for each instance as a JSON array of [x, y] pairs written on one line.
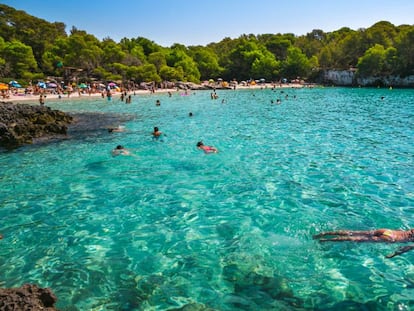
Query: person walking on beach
[[378, 235]]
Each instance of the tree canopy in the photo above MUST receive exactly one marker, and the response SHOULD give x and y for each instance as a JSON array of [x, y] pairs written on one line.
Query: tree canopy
[[34, 48]]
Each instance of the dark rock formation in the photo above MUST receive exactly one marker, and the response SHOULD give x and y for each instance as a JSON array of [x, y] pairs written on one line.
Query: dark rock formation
[[21, 123], [27, 297]]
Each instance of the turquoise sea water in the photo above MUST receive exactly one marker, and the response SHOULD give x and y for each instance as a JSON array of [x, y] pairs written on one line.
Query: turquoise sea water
[[171, 226]]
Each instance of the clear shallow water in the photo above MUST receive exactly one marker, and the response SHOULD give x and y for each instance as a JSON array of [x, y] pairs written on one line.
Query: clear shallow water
[[172, 226]]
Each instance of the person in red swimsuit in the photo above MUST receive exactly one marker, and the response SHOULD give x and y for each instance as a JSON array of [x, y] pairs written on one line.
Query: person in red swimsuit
[[379, 235], [206, 149]]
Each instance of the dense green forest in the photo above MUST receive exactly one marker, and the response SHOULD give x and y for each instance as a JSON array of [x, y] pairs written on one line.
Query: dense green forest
[[33, 49]]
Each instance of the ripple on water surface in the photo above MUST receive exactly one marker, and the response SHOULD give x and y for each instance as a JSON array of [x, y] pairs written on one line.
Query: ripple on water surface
[[172, 226]]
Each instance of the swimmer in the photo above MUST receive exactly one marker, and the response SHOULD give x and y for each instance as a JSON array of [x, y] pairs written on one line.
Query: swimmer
[[158, 103], [206, 149], [116, 129], [157, 133], [120, 150], [379, 235]]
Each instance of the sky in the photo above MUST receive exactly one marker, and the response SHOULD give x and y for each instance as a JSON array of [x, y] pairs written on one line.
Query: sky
[[201, 22]]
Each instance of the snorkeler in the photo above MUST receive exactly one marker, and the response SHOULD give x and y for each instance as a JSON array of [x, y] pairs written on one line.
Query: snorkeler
[[379, 235], [206, 149]]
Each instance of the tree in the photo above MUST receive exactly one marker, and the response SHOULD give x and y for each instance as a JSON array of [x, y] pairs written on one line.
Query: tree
[[383, 33], [207, 62], [147, 73], [405, 50], [83, 51], [296, 64], [2, 60], [158, 59], [112, 52], [242, 58], [31, 31], [179, 58], [168, 73], [19, 58], [325, 57], [265, 66], [372, 62]]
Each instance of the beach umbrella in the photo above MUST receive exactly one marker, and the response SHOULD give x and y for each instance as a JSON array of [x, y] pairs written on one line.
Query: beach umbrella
[[111, 84], [51, 85], [41, 85], [3, 87], [83, 86], [14, 84]]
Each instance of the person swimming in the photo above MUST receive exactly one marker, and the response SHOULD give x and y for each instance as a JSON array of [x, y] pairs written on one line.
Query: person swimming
[[156, 134], [117, 129], [378, 235], [206, 149], [120, 150]]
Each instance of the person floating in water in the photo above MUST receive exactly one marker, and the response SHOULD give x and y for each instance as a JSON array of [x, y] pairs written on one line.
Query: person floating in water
[[117, 129], [206, 149], [120, 150], [379, 235]]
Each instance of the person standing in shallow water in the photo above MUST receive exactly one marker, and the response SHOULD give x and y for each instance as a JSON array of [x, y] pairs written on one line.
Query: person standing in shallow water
[[42, 99]]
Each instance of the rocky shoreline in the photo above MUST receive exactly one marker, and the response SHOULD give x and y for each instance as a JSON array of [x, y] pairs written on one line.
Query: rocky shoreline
[[27, 297], [20, 124]]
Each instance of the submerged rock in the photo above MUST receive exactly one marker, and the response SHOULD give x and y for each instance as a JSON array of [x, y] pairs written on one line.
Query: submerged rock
[[21, 123], [27, 297]]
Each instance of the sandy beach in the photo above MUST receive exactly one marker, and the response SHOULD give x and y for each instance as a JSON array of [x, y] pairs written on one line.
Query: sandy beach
[[33, 99]]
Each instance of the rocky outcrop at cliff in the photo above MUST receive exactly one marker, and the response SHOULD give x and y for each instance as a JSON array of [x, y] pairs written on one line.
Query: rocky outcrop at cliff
[[27, 297], [350, 78], [20, 124]]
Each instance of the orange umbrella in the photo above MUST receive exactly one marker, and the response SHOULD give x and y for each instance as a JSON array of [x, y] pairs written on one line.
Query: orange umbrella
[[3, 86]]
